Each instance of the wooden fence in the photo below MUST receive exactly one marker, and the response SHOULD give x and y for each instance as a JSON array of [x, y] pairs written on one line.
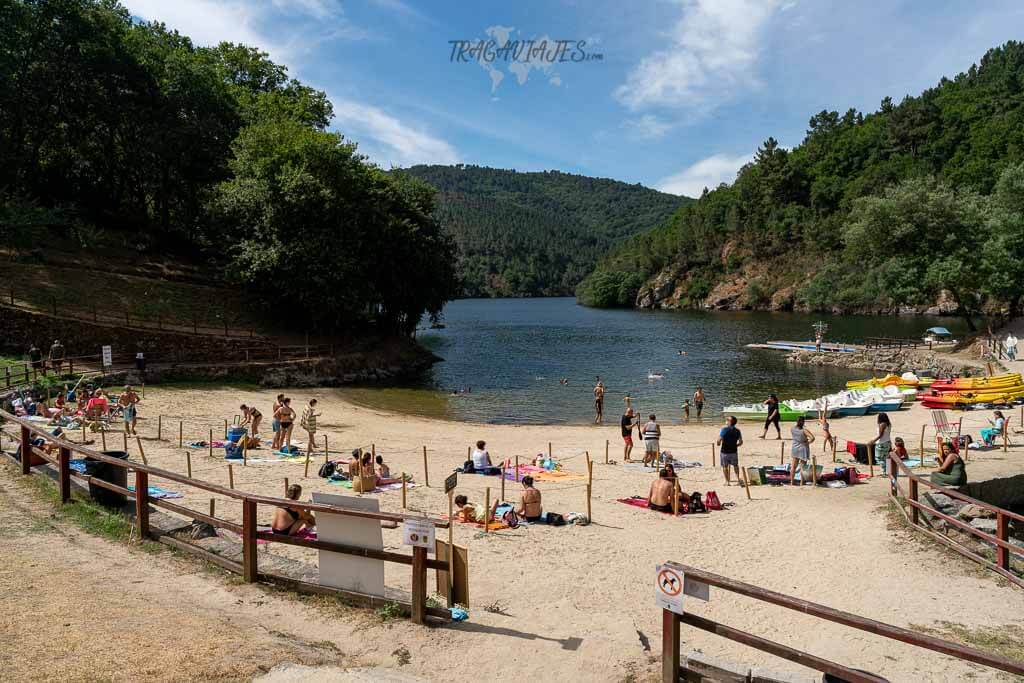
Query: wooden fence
[[249, 569], [894, 343], [912, 498], [672, 649]]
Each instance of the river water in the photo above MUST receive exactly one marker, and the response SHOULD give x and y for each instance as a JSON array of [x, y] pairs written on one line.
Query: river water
[[511, 353]]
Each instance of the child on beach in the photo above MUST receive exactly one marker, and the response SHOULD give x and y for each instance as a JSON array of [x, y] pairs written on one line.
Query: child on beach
[[308, 422]]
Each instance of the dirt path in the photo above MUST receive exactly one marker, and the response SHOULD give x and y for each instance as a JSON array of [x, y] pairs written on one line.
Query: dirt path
[[78, 607]]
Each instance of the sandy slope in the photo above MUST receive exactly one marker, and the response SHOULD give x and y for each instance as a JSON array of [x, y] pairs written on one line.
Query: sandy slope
[[575, 598]]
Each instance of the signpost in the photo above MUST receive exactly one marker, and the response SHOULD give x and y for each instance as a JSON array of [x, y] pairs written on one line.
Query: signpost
[[668, 588], [108, 357], [450, 483], [418, 532]]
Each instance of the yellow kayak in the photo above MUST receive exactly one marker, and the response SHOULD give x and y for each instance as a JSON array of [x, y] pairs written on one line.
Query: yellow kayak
[[950, 399], [994, 383], [887, 381]]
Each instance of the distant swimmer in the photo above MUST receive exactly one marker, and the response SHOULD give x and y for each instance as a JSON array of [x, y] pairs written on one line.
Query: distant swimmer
[[683, 353], [599, 401], [654, 375]]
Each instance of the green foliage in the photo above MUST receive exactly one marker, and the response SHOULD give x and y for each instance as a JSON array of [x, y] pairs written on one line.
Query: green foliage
[[105, 121], [894, 205], [609, 289], [536, 234]]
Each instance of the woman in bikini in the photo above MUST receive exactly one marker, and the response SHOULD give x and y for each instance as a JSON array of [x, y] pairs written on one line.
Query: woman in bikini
[[290, 521], [286, 416], [251, 416]]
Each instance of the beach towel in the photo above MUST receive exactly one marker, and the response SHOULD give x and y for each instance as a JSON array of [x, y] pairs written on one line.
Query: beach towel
[[305, 534], [157, 492], [641, 503], [382, 486]]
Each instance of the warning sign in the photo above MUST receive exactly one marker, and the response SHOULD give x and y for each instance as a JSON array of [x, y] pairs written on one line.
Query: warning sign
[[418, 532], [668, 588]]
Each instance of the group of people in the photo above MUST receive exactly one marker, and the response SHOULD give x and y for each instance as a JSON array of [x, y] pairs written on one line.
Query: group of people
[[650, 432], [283, 422], [529, 506], [55, 358]]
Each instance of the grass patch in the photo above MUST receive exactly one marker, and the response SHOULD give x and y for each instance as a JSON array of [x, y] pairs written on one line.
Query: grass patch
[[1006, 640], [390, 611]]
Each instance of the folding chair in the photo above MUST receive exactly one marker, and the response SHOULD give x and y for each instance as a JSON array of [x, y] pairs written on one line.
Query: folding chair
[[943, 427]]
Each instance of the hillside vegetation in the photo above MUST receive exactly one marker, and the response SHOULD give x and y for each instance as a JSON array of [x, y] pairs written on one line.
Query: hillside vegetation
[[113, 131], [536, 234], [917, 201]]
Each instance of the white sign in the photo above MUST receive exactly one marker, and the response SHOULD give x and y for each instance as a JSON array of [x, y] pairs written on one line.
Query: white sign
[[418, 532], [668, 588], [696, 589], [348, 572], [108, 359]]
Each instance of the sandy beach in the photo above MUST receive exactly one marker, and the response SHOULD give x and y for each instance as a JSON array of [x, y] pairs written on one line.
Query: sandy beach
[[575, 600]]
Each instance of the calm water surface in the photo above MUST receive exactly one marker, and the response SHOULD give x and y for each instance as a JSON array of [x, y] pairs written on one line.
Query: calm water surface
[[512, 352]]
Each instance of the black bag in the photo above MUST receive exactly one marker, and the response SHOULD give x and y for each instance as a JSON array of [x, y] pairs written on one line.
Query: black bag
[[327, 469], [696, 504], [555, 519], [468, 468]]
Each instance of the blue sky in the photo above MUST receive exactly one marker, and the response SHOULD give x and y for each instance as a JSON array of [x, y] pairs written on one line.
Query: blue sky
[[678, 93]]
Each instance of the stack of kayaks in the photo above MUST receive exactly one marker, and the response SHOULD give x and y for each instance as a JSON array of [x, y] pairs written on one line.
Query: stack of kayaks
[[960, 392], [759, 411]]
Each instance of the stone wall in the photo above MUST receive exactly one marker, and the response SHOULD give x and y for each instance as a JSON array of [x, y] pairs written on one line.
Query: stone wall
[[894, 361]]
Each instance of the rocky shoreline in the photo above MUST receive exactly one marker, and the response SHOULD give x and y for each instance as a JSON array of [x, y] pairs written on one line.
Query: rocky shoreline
[[891, 361]]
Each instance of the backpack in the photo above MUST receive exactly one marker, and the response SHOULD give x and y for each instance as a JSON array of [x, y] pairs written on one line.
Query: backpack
[[711, 501], [327, 469], [696, 504], [511, 519], [468, 467]]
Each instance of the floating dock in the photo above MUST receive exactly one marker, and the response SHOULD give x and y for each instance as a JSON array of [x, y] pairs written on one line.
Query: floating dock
[[826, 347]]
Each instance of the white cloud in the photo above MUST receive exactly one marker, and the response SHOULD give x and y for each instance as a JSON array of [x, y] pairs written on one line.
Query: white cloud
[[712, 52], [209, 22], [647, 127], [709, 173], [392, 141]]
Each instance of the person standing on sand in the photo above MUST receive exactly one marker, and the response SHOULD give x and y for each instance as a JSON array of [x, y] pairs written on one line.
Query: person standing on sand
[[129, 400], [251, 416], [652, 445], [698, 401], [286, 416], [35, 358], [275, 421], [599, 401], [801, 449], [309, 416], [730, 439], [773, 416], [627, 433], [879, 447]]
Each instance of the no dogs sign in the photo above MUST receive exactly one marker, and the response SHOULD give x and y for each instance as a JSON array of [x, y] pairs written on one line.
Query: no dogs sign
[[418, 532], [668, 588]]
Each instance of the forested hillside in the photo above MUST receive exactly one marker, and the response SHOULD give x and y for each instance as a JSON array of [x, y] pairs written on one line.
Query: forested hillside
[[536, 234], [916, 202], [123, 135]]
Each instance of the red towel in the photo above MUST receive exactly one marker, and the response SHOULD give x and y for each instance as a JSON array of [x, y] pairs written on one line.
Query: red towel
[[851, 448]]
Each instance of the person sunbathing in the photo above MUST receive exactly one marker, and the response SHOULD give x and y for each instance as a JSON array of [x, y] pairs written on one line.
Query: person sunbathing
[[660, 496], [383, 471], [289, 521], [474, 512], [530, 502]]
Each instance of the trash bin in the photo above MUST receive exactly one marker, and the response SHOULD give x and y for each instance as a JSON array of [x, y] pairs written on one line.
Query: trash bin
[[113, 474]]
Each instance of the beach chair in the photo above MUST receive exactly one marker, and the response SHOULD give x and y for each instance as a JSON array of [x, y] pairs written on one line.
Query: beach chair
[[944, 428]]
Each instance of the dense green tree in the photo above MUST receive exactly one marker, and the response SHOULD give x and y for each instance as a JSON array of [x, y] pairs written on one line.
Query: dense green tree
[[870, 211]]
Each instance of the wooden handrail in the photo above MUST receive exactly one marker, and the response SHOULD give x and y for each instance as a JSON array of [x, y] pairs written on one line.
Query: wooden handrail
[[872, 626], [248, 529], [953, 493]]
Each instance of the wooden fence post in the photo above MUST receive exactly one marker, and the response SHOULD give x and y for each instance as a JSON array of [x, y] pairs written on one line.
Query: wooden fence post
[[746, 481], [549, 450], [231, 477], [142, 453], [305, 474], [782, 453], [590, 486], [209, 443], [606, 451], [502, 480], [327, 451], [180, 429], [125, 435], [159, 427], [914, 512], [103, 437], [517, 468], [487, 510], [712, 454], [1002, 533], [871, 460], [250, 570], [188, 463], [26, 450], [419, 583], [669, 646], [814, 470], [426, 471], [403, 492], [922, 445], [64, 470], [142, 502]]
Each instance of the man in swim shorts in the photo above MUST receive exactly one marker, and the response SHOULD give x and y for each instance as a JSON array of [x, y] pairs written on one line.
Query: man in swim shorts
[[698, 401], [599, 401], [627, 433], [652, 444], [730, 439], [660, 495]]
